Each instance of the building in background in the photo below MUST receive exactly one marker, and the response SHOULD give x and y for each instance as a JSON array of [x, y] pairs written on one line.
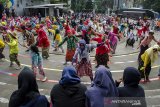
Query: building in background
[[33, 7]]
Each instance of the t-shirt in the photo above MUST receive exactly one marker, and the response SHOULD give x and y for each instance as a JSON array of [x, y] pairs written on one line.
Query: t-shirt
[[2, 45]]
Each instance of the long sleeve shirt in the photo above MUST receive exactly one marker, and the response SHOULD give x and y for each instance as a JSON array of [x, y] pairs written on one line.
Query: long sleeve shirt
[[102, 49], [146, 59], [2, 45], [13, 45], [84, 53], [71, 42]]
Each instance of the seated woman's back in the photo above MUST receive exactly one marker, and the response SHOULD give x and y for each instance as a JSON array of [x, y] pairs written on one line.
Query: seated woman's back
[[103, 89], [132, 90], [69, 92], [27, 94]]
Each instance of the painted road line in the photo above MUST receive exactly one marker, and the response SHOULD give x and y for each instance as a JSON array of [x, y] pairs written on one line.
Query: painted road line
[[156, 96], [118, 56], [57, 81], [132, 54], [59, 70], [43, 68], [124, 62], [2, 83], [156, 90], [26, 56], [4, 100], [49, 81]]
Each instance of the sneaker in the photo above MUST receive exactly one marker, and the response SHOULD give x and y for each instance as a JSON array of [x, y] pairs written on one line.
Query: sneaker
[[11, 65], [18, 68], [27, 50], [2, 60], [148, 80], [44, 79], [65, 63]]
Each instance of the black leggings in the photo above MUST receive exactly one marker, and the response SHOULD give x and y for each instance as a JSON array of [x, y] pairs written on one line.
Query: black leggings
[[142, 50]]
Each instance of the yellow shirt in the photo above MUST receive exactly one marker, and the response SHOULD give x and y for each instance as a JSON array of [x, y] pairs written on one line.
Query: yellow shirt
[[58, 38], [13, 45], [2, 45], [52, 31], [145, 58]]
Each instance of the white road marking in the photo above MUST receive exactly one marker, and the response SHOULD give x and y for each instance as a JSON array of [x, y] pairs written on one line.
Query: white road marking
[[124, 62], [50, 69], [156, 96], [2, 83], [48, 97], [41, 89], [4, 100], [152, 90]]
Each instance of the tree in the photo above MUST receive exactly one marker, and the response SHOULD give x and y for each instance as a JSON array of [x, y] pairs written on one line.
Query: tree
[[152, 4], [89, 6]]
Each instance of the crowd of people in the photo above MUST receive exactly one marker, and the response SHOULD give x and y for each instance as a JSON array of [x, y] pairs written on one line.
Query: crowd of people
[[80, 32]]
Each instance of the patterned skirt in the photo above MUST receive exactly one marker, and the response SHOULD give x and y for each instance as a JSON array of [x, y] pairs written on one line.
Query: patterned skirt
[[84, 68], [69, 55], [102, 59], [45, 52]]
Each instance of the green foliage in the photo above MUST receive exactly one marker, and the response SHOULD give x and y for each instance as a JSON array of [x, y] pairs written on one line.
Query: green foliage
[[89, 5], [78, 5], [152, 4], [3, 1]]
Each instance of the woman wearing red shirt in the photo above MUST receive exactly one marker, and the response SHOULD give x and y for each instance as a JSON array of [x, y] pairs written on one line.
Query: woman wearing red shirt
[[102, 56], [44, 43]]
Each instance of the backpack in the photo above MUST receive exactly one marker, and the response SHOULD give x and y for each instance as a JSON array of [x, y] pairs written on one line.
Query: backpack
[[40, 101]]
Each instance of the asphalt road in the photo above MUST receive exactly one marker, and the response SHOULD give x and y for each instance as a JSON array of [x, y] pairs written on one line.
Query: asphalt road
[[124, 57]]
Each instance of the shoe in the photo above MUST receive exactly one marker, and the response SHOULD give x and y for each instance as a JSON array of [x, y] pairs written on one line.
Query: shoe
[[18, 68], [11, 65], [2, 60], [143, 81], [65, 63], [27, 50], [44, 79], [148, 80]]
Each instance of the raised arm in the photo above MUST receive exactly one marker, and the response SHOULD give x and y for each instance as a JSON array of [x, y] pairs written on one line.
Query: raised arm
[[64, 40]]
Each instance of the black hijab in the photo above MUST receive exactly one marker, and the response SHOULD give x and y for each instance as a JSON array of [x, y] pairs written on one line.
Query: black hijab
[[27, 88], [131, 77]]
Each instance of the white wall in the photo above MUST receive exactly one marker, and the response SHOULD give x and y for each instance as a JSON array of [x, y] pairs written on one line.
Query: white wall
[[20, 10]]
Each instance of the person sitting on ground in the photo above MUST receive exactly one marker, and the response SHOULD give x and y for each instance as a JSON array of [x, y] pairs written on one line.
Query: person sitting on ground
[[131, 89], [27, 94], [69, 92], [103, 87]]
